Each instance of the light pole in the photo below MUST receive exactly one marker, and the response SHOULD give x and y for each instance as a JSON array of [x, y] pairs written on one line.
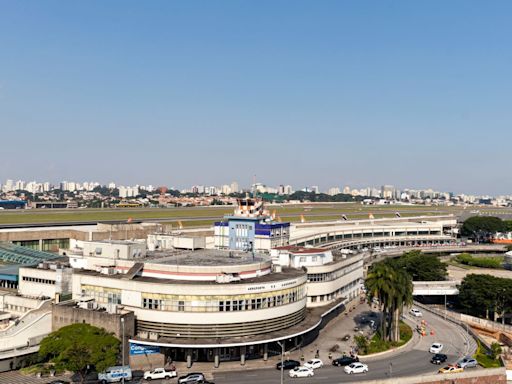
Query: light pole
[[122, 353], [282, 344]]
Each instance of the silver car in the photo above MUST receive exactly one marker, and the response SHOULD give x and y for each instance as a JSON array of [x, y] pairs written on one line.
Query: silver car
[[467, 362]]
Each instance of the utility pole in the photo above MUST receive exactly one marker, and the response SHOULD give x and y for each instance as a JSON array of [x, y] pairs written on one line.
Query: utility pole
[[122, 326], [282, 344]]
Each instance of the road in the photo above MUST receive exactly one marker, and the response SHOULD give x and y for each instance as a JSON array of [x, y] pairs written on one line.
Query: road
[[406, 363]]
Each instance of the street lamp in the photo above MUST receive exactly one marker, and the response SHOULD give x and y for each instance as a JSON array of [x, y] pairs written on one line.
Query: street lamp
[[122, 353], [282, 344]]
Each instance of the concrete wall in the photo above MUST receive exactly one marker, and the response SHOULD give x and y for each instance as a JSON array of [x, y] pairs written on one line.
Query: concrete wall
[[66, 314], [115, 249], [483, 376]]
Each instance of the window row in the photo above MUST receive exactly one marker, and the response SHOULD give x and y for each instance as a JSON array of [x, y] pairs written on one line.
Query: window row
[[224, 305], [330, 276], [38, 280], [341, 292], [104, 297]]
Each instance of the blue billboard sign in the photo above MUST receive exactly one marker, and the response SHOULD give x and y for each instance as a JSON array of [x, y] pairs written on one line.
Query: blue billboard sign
[[139, 349]]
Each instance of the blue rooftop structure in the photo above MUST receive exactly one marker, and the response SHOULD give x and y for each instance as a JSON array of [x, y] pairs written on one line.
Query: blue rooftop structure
[[12, 204]]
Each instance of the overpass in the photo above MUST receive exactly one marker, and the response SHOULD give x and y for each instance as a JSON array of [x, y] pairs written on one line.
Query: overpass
[[436, 288]]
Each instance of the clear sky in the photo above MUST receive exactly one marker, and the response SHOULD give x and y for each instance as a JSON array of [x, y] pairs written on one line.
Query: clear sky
[[410, 93]]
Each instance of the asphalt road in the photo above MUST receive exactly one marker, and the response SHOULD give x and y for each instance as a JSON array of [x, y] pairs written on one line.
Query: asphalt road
[[406, 363]]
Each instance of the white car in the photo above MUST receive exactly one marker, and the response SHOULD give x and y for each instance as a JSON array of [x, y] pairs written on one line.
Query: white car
[[416, 312], [301, 372], [314, 364], [436, 348], [356, 368], [159, 373]]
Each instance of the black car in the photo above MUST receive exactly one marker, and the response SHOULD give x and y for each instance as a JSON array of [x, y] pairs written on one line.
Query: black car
[[438, 358], [345, 360], [288, 364]]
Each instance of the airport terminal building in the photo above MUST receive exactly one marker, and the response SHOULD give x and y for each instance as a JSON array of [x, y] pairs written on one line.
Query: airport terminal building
[[214, 305]]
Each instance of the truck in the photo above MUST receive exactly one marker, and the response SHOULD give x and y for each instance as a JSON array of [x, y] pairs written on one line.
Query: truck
[[160, 373], [115, 374]]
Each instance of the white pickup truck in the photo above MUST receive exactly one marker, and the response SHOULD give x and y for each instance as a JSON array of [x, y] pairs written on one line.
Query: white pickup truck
[[159, 373]]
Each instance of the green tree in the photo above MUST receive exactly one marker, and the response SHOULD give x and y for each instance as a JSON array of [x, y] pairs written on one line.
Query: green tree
[[480, 295], [476, 226], [392, 286], [422, 267], [76, 346]]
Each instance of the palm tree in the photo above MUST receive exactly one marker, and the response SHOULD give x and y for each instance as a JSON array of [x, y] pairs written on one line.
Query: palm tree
[[392, 286]]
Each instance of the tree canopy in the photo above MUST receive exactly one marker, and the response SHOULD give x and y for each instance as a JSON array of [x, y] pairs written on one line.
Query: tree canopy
[[76, 346], [481, 295], [483, 224], [422, 267]]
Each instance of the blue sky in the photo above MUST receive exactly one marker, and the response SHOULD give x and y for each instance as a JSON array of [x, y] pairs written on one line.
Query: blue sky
[[297, 92]]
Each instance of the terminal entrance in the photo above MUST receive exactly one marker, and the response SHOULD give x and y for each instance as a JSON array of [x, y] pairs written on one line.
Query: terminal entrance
[[242, 353]]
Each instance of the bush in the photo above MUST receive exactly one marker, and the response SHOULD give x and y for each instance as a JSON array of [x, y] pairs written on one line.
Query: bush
[[484, 359], [377, 344], [362, 344], [480, 262]]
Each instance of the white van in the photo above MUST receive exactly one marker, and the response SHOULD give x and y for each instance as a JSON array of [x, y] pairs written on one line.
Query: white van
[[115, 374]]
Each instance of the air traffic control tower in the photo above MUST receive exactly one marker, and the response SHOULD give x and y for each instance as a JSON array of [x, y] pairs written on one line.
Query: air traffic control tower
[[251, 228]]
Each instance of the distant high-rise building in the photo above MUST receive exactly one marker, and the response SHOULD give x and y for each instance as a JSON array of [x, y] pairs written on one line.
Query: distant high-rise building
[[226, 189], [315, 189], [388, 192], [333, 191], [288, 190], [347, 190], [234, 187], [8, 186]]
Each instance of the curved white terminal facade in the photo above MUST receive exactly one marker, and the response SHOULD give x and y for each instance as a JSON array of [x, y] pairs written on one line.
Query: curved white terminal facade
[[375, 232], [212, 299]]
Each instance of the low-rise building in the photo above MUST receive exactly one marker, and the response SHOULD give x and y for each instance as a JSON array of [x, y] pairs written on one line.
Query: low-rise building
[[329, 277], [47, 279]]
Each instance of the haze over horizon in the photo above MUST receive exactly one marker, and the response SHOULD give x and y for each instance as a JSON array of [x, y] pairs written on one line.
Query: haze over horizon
[[334, 93]]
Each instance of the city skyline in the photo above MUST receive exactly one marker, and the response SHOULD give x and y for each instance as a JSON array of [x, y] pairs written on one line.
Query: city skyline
[[406, 94], [374, 191]]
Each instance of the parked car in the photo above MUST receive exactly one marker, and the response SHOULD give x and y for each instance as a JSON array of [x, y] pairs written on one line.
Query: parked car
[[159, 373], [416, 312], [356, 368], [191, 378], [345, 360], [314, 364], [451, 369], [288, 364], [436, 348], [301, 372], [438, 358], [467, 362]]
